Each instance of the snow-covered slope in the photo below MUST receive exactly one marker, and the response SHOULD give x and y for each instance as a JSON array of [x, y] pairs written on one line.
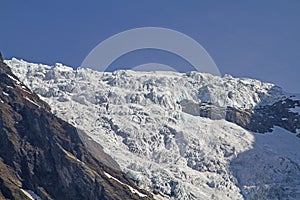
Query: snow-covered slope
[[137, 118]]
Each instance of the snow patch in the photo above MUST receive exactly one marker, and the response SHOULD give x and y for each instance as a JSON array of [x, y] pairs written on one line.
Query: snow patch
[[32, 102], [5, 93], [134, 191], [31, 195], [25, 89], [63, 68], [11, 77]]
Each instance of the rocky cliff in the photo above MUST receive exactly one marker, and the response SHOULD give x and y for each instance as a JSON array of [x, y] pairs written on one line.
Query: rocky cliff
[[261, 119]]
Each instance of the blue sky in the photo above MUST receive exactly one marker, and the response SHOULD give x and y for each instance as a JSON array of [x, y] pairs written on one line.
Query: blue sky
[[257, 39]]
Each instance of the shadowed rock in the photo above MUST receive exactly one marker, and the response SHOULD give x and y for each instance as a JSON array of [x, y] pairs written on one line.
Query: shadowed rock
[[261, 119]]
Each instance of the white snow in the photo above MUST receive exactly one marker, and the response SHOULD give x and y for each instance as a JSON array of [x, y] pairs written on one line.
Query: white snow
[[25, 90], [130, 188], [281, 142], [136, 117], [295, 110], [226, 91], [32, 102], [18, 82], [62, 68], [5, 93], [30, 194], [270, 170]]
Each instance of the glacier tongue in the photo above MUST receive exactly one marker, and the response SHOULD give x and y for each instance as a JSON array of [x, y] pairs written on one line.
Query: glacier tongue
[[137, 118]]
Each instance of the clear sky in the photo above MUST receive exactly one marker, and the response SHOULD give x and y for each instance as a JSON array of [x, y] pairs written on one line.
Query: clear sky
[[258, 39]]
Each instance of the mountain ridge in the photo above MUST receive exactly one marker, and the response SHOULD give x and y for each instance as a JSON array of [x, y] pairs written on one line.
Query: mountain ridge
[[172, 132]]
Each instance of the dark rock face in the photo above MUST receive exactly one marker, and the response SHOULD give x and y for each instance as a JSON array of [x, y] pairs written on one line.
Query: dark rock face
[[261, 119], [44, 154], [265, 118]]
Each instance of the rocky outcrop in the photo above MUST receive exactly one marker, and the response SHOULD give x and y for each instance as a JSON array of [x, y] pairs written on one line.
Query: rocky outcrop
[[261, 119], [47, 157]]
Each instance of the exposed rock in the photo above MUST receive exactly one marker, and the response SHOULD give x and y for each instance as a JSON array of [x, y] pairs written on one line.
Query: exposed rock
[[261, 119]]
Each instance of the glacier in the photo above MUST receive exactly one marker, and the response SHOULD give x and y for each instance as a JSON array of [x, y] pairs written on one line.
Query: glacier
[[138, 119]]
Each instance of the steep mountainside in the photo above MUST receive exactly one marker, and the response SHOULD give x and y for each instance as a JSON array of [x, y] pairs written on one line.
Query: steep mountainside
[[183, 136], [43, 157]]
